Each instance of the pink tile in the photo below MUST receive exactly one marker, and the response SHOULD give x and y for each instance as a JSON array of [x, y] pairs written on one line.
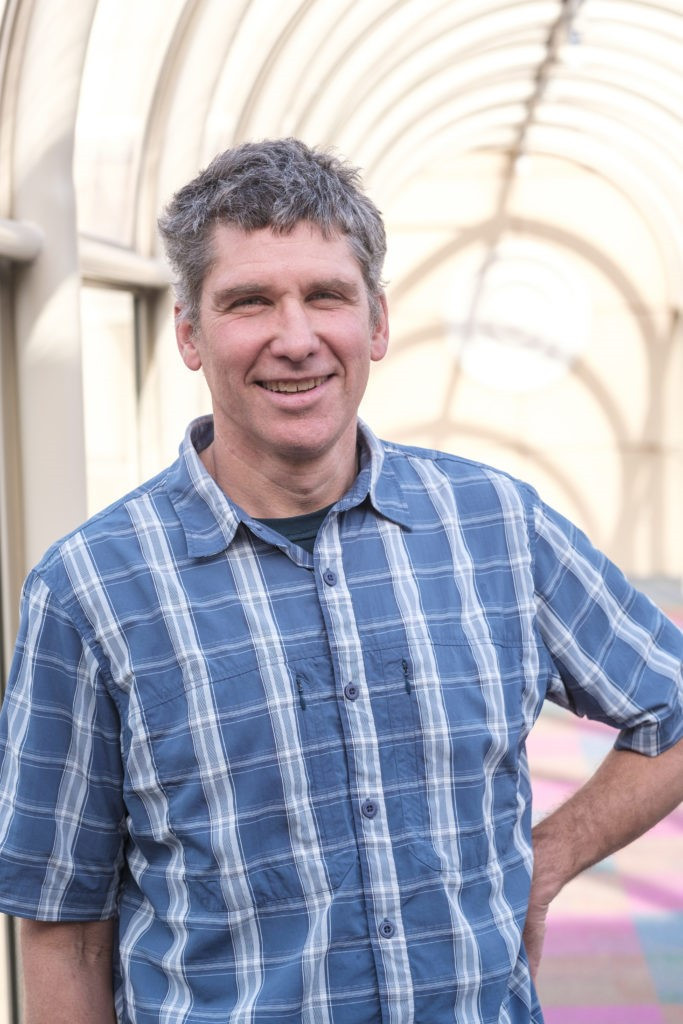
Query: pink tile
[[588, 935], [549, 793], [669, 828], [663, 895], [594, 979], [643, 1014]]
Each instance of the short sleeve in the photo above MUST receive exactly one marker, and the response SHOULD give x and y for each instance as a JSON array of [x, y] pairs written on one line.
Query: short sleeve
[[615, 656], [61, 805]]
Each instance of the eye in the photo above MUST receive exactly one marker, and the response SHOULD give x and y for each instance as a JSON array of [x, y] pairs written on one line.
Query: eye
[[247, 300]]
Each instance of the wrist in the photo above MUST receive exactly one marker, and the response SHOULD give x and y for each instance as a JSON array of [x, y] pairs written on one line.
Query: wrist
[[553, 862]]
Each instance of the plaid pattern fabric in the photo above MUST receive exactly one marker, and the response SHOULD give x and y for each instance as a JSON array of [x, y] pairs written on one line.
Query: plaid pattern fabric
[[300, 781]]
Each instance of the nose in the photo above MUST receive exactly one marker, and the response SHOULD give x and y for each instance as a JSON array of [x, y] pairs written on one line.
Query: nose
[[295, 337]]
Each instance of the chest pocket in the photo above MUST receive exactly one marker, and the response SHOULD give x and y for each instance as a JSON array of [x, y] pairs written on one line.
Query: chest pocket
[[219, 771], [465, 723]]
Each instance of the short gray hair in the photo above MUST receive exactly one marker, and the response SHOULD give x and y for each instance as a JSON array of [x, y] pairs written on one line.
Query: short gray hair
[[276, 184]]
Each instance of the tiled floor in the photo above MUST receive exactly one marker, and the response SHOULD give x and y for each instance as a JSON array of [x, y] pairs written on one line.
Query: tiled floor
[[614, 946]]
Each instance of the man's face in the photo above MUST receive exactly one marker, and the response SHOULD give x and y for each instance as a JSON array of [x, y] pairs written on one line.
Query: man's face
[[285, 342]]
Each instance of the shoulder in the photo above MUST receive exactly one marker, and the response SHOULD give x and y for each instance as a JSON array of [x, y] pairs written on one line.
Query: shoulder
[[472, 481], [110, 534]]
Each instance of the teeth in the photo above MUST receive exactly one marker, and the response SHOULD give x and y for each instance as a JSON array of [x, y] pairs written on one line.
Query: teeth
[[291, 387]]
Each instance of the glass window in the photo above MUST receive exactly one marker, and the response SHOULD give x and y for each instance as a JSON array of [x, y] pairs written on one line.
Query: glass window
[[110, 399], [8, 967], [8, 972], [126, 49]]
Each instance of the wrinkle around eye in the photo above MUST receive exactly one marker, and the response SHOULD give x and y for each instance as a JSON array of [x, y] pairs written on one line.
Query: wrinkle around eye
[[248, 300], [329, 300]]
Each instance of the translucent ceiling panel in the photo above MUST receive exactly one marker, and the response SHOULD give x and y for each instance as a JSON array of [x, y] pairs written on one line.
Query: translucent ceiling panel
[[441, 95], [447, 41], [184, 136], [125, 53]]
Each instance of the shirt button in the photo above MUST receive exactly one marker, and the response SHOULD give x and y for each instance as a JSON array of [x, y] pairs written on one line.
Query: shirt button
[[330, 577], [369, 808], [351, 691], [387, 929]]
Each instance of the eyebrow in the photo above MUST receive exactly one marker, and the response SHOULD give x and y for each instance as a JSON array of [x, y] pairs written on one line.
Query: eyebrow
[[225, 295], [335, 284]]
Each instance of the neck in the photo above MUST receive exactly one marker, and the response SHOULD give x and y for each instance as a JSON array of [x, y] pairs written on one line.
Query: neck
[[266, 489]]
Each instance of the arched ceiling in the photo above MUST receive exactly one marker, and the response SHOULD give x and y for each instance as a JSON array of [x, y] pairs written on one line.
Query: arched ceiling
[[527, 156], [397, 85]]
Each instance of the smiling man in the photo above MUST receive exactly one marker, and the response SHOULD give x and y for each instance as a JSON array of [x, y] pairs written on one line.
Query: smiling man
[[262, 757], [285, 335]]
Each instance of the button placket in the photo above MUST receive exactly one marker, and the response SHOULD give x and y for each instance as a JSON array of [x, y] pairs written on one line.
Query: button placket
[[380, 881]]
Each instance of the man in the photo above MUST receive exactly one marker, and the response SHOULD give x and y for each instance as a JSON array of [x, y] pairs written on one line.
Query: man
[[264, 738]]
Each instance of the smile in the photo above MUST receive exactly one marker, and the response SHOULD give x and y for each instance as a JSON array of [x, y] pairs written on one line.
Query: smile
[[291, 387]]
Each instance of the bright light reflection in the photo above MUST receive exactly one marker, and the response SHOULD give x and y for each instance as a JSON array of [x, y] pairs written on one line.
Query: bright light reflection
[[519, 323]]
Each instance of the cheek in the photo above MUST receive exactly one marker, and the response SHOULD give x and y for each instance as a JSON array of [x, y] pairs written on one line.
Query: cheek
[[359, 377]]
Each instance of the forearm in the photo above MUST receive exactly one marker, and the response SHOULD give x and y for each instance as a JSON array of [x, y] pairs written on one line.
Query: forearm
[[628, 794], [67, 970]]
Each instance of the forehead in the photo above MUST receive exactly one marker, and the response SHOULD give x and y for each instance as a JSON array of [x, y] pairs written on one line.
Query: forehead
[[263, 252]]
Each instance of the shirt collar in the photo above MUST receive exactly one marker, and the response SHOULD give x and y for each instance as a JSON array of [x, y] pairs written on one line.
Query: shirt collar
[[210, 519], [376, 480], [207, 516]]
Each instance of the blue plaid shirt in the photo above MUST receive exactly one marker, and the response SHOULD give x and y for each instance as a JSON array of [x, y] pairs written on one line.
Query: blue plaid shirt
[[300, 781]]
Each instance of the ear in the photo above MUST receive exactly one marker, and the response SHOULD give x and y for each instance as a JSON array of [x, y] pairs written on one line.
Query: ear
[[380, 334], [186, 339]]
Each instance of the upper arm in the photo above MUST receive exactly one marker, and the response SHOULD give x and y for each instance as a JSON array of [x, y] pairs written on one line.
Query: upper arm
[[62, 812], [615, 656]]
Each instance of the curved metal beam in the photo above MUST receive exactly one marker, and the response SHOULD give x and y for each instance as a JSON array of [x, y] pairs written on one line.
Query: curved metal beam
[[20, 241]]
